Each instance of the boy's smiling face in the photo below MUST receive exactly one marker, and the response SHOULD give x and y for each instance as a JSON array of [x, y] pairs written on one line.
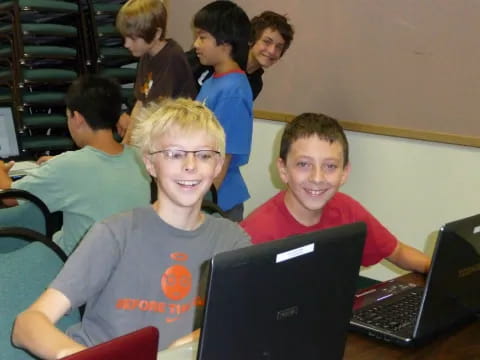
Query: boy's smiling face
[[183, 182], [314, 171], [268, 49]]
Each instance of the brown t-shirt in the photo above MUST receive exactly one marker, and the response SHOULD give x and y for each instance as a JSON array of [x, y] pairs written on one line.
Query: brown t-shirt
[[167, 74]]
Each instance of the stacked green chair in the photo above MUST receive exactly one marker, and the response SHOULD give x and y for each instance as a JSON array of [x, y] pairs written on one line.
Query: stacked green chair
[[41, 47], [26, 272], [111, 59]]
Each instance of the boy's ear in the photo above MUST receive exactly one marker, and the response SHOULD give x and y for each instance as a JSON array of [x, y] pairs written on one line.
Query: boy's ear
[[282, 170], [219, 166], [158, 34], [147, 160], [226, 48], [346, 173], [78, 119]]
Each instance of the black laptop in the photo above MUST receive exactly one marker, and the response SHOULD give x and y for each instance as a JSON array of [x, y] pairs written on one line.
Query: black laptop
[[286, 299], [9, 145], [407, 314]]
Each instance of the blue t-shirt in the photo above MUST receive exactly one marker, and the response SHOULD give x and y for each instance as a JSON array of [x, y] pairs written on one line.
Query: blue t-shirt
[[229, 96]]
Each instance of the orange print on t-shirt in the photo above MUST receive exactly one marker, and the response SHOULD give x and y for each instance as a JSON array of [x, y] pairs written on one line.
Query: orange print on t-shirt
[[176, 281], [147, 85]]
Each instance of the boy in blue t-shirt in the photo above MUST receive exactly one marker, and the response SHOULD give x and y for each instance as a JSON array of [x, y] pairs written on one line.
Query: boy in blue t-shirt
[[222, 33]]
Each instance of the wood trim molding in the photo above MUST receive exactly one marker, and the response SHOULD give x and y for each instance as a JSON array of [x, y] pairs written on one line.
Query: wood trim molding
[[383, 130]]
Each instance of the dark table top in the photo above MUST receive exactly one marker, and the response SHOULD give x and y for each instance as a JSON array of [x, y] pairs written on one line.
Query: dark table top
[[461, 343]]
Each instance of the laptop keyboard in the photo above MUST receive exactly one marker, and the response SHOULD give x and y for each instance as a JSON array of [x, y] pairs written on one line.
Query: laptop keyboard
[[393, 314]]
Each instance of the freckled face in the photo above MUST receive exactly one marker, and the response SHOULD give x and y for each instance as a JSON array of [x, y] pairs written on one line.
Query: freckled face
[[268, 49], [183, 182], [314, 171]]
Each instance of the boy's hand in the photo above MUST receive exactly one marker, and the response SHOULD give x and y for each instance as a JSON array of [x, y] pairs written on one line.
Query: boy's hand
[[43, 159], [5, 181], [6, 167], [123, 123], [193, 336]]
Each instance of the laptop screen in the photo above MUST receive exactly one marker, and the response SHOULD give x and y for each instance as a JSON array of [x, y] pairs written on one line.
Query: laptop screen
[[285, 299], [8, 138], [452, 288]]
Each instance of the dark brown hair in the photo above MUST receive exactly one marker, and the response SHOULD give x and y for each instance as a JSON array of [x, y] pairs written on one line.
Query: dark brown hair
[[309, 124]]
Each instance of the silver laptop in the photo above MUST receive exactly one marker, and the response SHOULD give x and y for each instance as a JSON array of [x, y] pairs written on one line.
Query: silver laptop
[[407, 314], [9, 145]]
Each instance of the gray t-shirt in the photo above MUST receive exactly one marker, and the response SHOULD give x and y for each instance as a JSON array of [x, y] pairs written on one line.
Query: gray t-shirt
[[134, 270]]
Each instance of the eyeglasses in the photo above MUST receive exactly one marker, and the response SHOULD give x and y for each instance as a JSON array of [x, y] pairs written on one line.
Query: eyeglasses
[[180, 155]]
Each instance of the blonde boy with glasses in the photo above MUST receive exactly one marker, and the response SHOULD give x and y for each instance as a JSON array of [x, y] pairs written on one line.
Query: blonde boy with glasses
[[143, 267]]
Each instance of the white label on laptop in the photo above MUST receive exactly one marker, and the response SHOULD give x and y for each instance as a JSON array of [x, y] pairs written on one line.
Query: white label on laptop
[[476, 229], [290, 254]]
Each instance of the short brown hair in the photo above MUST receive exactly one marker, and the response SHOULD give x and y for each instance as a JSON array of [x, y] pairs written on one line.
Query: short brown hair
[[142, 19], [310, 124], [274, 21]]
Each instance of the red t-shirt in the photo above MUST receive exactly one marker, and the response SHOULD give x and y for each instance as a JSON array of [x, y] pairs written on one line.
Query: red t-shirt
[[272, 221]]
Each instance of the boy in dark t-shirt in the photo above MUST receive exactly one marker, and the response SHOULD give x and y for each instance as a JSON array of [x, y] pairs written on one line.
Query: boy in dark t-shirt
[[162, 70]]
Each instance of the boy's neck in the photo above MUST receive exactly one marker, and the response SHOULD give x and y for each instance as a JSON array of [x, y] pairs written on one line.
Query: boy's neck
[[157, 47], [302, 215], [252, 64], [226, 66], [187, 219], [104, 141]]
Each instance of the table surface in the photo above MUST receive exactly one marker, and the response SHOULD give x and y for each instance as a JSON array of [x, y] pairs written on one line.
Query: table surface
[[457, 344]]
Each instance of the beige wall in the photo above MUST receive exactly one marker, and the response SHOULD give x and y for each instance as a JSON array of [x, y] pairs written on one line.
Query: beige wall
[[412, 186], [403, 64]]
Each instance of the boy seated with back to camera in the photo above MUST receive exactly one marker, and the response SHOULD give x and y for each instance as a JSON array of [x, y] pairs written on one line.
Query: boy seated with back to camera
[[143, 267], [100, 179], [314, 164]]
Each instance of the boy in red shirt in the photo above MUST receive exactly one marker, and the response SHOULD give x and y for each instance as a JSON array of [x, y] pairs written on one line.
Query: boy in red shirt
[[314, 164]]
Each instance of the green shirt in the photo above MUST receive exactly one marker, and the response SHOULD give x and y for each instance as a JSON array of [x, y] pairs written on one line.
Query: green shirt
[[88, 185]]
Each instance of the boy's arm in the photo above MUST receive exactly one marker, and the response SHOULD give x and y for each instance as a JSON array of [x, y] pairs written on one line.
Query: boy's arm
[[221, 176], [126, 125], [35, 331], [44, 159], [409, 258]]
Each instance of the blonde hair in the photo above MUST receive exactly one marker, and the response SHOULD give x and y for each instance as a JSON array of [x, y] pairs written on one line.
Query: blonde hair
[[184, 115], [142, 19]]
